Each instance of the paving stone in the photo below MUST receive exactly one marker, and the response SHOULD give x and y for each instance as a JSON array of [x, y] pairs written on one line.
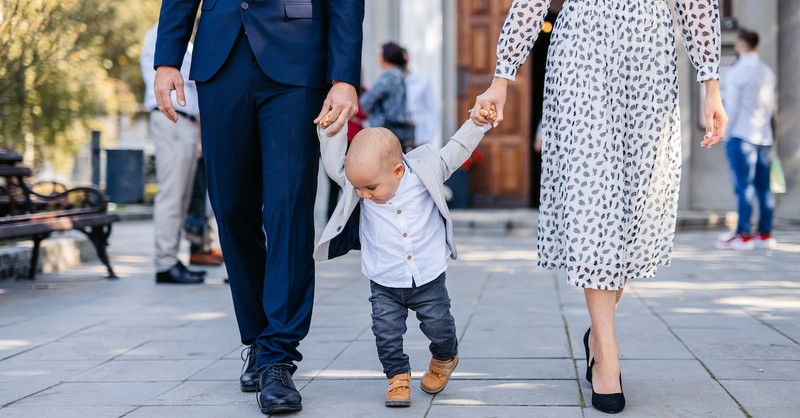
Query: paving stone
[[206, 411], [358, 398], [204, 393], [754, 369], [514, 369], [510, 393], [42, 411], [475, 411], [764, 393], [142, 371], [98, 394]]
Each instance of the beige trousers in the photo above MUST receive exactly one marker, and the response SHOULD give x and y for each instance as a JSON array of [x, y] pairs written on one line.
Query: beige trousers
[[176, 160]]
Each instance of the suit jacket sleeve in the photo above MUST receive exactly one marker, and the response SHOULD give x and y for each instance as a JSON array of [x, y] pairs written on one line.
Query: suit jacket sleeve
[[175, 26], [460, 147], [345, 35], [332, 151]]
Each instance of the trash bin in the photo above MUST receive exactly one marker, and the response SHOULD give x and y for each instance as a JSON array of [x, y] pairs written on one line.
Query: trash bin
[[125, 175]]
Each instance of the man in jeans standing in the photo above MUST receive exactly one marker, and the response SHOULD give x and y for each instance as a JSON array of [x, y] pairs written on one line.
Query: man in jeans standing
[[749, 96]]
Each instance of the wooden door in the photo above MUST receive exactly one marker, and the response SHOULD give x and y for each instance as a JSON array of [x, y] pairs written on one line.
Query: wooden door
[[502, 179]]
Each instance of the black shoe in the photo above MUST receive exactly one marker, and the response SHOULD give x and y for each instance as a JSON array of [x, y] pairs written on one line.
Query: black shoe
[[178, 274], [276, 391], [611, 403], [589, 363], [249, 379], [201, 273]]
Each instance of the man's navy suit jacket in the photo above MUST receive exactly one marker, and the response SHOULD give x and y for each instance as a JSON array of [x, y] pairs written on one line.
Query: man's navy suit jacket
[[307, 43]]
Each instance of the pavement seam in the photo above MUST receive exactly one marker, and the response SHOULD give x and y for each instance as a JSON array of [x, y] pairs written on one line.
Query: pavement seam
[[466, 326], [686, 346], [574, 359]]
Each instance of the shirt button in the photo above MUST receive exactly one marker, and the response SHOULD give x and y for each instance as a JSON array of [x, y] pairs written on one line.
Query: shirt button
[[399, 211], [405, 234], [408, 258], [244, 5]]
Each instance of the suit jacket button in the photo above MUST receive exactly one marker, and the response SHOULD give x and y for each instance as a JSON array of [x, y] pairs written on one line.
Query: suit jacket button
[[244, 5]]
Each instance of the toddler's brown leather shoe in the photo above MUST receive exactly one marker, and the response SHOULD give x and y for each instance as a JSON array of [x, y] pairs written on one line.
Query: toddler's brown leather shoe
[[398, 394], [438, 374]]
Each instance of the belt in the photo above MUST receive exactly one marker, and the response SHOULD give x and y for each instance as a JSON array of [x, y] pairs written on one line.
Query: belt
[[180, 113]]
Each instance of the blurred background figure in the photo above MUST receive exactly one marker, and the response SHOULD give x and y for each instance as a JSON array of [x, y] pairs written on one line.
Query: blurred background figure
[[200, 225], [176, 161], [386, 102], [749, 95], [423, 106]]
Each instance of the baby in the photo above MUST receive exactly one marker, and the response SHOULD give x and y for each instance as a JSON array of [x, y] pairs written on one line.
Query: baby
[[393, 209]]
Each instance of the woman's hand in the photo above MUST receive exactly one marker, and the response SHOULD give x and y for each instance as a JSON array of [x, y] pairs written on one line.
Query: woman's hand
[[489, 105], [716, 119]]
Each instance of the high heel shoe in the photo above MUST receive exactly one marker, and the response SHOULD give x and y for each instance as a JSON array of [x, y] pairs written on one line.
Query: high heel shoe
[[589, 363], [611, 403]]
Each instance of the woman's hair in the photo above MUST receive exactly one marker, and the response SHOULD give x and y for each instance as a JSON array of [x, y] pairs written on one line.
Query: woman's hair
[[394, 54], [749, 37]]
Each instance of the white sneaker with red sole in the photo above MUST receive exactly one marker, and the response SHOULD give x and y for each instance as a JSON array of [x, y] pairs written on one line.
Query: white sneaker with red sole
[[738, 242]]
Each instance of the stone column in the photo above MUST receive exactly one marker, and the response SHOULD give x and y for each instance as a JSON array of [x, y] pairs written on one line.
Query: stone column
[[788, 120]]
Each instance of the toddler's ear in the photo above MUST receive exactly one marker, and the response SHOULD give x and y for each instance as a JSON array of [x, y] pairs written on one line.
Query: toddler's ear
[[399, 169]]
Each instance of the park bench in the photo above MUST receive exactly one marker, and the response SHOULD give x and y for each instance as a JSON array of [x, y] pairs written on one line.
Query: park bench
[[26, 212]]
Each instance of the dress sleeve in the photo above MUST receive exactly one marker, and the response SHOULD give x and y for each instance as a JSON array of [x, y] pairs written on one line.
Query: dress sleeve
[[699, 22], [520, 30]]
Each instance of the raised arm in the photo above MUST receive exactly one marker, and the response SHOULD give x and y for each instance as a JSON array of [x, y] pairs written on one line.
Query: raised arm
[[333, 150], [460, 147], [520, 30], [699, 23], [345, 36]]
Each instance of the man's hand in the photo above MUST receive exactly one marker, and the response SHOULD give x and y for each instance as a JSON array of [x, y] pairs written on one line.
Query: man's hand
[[168, 79], [340, 105]]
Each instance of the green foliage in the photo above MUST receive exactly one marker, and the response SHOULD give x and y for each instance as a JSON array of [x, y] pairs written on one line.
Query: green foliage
[[68, 67]]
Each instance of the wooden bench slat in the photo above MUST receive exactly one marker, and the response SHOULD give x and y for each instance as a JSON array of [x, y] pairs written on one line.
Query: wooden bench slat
[[56, 225], [46, 216]]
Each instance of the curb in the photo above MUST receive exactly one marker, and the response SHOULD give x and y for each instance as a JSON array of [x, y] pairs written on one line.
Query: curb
[[57, 253]]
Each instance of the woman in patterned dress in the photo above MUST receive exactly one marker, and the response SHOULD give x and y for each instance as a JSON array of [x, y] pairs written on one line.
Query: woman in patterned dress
[[611, 145]]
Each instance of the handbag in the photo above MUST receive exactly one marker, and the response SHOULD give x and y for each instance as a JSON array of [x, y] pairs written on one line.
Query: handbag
[[777, 181]]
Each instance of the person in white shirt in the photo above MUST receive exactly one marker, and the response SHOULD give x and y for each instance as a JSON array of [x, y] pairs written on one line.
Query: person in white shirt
[[423, 105], [393, 209], [749, 97], [176, 161]]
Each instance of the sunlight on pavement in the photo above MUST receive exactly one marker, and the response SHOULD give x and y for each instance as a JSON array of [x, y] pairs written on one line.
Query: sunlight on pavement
[[762, 303], [7, 344], [202, 316]]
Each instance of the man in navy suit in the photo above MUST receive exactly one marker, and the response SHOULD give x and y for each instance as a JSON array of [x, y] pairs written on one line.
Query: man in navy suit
[[263, 69]]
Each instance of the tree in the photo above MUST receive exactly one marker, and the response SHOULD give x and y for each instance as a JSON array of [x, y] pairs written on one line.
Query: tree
[[68, 67]]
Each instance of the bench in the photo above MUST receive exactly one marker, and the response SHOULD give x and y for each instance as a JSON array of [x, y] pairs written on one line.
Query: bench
[[26, 213]]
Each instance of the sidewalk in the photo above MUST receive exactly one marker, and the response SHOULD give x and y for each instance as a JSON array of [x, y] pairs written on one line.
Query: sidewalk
[[715, 335]]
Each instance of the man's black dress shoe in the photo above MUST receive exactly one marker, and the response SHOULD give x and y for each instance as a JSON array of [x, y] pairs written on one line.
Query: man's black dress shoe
[[201, 273], [276, 391], [249, 378], [179, 274]]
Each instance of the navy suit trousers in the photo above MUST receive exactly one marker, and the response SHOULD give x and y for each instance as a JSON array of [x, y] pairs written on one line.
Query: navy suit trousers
[[262, 154]]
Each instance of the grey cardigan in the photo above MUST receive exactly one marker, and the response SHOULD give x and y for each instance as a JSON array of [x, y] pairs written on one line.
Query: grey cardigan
[[433, 168]]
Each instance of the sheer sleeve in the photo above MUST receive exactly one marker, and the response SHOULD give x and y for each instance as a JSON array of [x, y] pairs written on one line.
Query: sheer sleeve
[[699, 22], [519, 32]]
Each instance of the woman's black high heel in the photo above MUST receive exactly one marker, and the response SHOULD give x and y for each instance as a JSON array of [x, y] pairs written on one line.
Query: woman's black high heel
[[611, 403], [589, 363]]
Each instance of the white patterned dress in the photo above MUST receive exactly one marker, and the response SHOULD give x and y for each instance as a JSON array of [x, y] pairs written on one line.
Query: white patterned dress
[[611, 130]]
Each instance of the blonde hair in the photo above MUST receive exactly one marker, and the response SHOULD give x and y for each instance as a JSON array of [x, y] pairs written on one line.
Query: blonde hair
[[375, 144]]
